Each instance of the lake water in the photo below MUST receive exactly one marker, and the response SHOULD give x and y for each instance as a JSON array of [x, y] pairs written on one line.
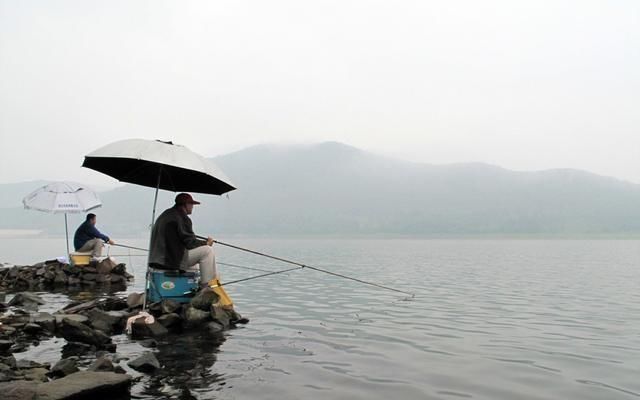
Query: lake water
[[491, 319]]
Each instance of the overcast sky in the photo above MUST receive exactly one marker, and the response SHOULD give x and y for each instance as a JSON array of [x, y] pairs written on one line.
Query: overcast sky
[[523, 85]]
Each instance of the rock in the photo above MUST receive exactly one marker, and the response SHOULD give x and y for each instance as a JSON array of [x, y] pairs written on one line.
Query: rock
[[78, 332], [5, 345], [45, 320], [102, 364], [119, 370], [169, 306], [36, 374], [32, 329], [72, 269], [74, 280], [18, 390], [152, 343], [6, 330], [135, 300], [119, 269], [77, 307], [85, 385], [27, 364], [100, 278], [115, 304], [25, 299], [172, 322], [73, 349], [60, 278], [219, 314], [9, 361], [193, 316], [64, 367], [139, 329], [214, 327], [89, 269], [204, 299], [147, 362], [83, 319], [89, 276], [107, 322], [105, 266]]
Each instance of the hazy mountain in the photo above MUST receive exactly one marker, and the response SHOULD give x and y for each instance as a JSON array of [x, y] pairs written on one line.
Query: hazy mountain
[[331, 188]]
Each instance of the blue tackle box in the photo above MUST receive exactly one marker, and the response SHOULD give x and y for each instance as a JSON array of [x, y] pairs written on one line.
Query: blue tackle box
[[175, 285]]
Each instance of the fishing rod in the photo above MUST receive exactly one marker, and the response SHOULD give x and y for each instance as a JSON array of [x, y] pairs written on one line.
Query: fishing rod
[[304, 266]]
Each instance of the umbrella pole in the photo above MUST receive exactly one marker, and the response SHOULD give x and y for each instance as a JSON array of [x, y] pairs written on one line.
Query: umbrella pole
[[66, 232], [153, 218]]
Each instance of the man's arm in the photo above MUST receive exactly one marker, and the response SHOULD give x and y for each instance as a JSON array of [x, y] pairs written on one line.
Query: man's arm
[[93, 231], [186, 235]]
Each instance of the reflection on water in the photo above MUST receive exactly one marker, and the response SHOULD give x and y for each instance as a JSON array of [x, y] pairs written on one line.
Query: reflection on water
[[186, 372], [491, 319]]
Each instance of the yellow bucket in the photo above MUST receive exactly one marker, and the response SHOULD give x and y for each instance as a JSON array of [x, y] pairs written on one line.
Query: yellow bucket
[[225, 300], [80, 258]]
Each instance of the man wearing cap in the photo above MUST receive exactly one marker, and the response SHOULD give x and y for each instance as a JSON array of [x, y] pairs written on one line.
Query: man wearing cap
[[89, 238], [175, 246]]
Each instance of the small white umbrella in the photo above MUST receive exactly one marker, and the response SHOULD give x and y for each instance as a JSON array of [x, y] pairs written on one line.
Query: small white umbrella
[[62, 197]]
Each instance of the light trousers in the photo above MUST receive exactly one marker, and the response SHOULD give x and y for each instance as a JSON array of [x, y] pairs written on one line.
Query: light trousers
[[93, 245], [205, 258]]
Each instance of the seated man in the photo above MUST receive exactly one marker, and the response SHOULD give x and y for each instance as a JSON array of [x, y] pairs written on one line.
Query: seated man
[[88, 238], [175, 246]]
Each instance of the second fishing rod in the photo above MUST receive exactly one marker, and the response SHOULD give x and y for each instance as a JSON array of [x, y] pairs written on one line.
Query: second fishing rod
[[300, 266]]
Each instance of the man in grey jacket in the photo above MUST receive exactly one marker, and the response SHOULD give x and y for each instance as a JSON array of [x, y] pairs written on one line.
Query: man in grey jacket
[[175, 246]]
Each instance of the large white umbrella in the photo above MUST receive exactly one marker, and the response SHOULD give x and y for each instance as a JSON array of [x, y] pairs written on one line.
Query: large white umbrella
[[62, 198]]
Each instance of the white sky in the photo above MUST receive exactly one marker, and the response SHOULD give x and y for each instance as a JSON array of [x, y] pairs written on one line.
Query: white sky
[[524, 85]]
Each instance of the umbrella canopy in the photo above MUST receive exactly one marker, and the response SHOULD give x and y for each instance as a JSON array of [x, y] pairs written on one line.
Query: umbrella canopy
[[62, 197], [159, 164]]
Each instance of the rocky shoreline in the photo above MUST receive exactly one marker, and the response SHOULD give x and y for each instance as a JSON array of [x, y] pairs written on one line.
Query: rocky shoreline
[[89, 365]]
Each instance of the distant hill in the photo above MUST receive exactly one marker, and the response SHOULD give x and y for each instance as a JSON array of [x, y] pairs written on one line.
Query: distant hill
[[331, 188]]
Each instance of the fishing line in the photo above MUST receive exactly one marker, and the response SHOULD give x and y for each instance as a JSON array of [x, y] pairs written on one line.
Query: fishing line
[[306, 266], [129, 247], [257, 276], [243, 267]]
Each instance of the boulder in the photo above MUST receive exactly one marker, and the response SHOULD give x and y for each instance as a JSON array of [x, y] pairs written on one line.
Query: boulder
[[135, 300], [221, 315], [147, 362], [108, 322], [89, 277], [204, 299], [101, 364], [105, 266], [169, 306], [32, 329], [36, 374], [194, 316], [172, 322], [60, 278], [83, 319], [214, 327], [140, 329], [18, 390], [45, 320], [78, 332], [85, 385], [26, 299], [5, 345], [64, 367]]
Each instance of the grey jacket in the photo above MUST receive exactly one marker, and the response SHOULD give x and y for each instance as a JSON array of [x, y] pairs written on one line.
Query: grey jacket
[[172, 235]]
